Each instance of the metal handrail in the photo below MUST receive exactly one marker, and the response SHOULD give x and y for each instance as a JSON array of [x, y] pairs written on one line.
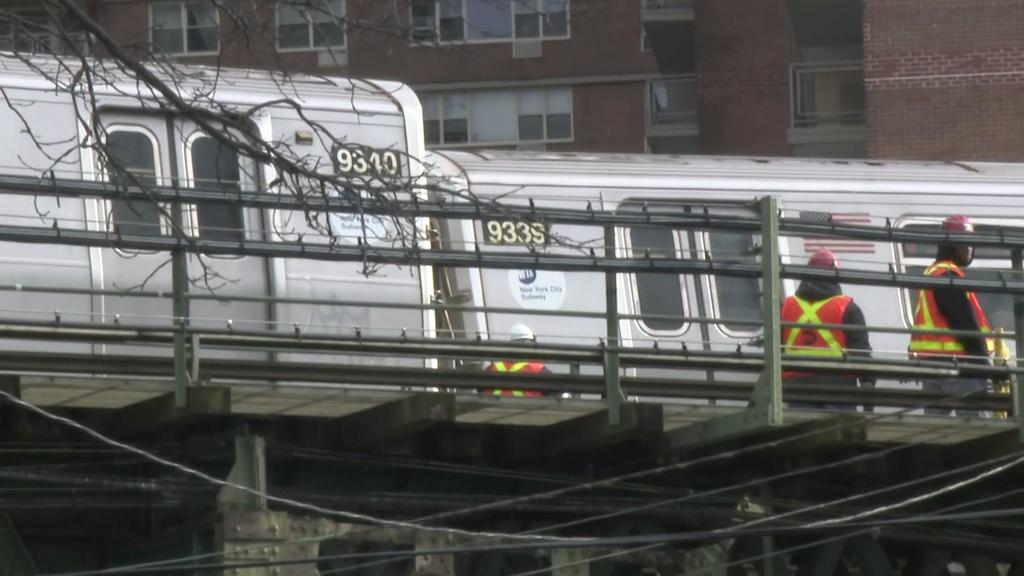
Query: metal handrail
[[805, 112], [664, 113], [485, 349], [656, 5]]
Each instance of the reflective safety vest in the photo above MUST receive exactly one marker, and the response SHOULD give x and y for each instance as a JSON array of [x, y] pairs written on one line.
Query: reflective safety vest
[[817, 342], [511, 368], [927, 316]]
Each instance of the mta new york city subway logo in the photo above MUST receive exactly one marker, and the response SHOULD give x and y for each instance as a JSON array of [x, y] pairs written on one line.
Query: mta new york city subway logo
[[537, 289]]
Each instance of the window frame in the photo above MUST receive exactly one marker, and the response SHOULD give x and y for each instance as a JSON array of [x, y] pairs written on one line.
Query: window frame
[[517, 140], [182, 12], [309, 30], [511, 38], [679, 246], [57, 44], [191, 210], [108, 205], [908, 296], [710, 282]]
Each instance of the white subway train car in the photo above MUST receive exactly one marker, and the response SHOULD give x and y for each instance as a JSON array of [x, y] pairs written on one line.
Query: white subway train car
[[904, 194], [45, 119]]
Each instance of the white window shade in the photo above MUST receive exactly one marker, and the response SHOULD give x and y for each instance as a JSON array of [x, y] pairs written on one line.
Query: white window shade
[[560, 101], [492, 117], [454, 106], [430, 106]]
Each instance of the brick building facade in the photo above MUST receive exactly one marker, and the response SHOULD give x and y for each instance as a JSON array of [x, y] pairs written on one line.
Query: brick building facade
[[945, 79], [922, 79], [580, 79]]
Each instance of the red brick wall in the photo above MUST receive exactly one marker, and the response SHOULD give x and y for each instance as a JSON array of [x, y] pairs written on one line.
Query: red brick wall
[[607, 118], [945, 79], [605, 40], [744, 50]]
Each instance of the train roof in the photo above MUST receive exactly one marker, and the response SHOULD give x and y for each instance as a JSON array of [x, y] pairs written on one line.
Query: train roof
[[758, 174], [229, 85]]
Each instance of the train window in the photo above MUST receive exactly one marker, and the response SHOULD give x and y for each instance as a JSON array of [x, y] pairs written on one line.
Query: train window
[[216, 166], [738, 299], [132, 156], [658, 294], [920, 250]]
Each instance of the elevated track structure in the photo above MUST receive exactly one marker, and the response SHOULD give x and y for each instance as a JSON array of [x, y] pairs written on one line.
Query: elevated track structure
[[636, 461]]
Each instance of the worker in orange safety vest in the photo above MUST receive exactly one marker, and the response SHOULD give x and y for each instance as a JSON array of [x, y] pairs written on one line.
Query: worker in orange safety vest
[[952, 308], [518, 333], [823, 302]]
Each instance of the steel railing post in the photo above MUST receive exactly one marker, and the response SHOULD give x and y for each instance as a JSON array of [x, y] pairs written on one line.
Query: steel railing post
[[771, 385], [179, 289], [1018, 339], [613, 388]]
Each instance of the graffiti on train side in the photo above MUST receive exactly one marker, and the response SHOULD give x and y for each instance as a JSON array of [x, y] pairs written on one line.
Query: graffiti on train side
[[334, 319]]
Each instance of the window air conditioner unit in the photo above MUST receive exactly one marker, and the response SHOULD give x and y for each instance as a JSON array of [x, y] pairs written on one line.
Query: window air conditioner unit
[[531, 48]]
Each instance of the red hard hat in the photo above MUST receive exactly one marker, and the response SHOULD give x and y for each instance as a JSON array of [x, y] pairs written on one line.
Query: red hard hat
[[957, 223], [823, 258]]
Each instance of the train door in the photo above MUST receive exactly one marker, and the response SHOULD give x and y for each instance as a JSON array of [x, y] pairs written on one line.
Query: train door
[[661, 305], [157, 150], [734, 303]]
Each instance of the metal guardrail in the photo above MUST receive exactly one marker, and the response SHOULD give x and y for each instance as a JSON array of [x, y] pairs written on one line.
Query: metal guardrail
[[668, 5], [827, 94], [610, 354], [672, 101]]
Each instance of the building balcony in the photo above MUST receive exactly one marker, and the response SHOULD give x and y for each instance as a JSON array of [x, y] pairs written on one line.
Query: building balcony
[[668, 25], [672, 114], [667, 10], [827, 109]]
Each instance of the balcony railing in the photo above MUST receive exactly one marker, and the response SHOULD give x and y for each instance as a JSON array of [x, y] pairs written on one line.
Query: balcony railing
[[827, 94], [672, 101], [668, 4], [660, 9]]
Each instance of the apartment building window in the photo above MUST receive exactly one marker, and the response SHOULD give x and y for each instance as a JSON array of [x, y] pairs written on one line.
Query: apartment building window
[[542, 18], [488, 20], [185, 27], [35, 31], [310, 24], [498, 116]]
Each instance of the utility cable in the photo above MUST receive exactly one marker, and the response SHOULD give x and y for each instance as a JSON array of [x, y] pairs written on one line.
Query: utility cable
[[415, 525], [1017, 459], [613, 541], [353, 516], [646, 505]]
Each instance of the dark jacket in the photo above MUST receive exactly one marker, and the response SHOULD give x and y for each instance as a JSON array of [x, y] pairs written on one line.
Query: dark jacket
[[856, 340], [953, 304]]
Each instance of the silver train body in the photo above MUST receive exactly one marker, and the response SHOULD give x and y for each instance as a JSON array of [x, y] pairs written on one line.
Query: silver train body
[[900, 194], [383, 115], [164, 148]]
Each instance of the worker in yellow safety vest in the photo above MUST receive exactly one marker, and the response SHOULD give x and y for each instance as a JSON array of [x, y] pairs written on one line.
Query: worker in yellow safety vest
[[518, 333], [823, 302], [952, 308]]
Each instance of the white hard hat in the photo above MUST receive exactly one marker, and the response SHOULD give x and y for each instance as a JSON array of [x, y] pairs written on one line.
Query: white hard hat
[[520, 332]]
